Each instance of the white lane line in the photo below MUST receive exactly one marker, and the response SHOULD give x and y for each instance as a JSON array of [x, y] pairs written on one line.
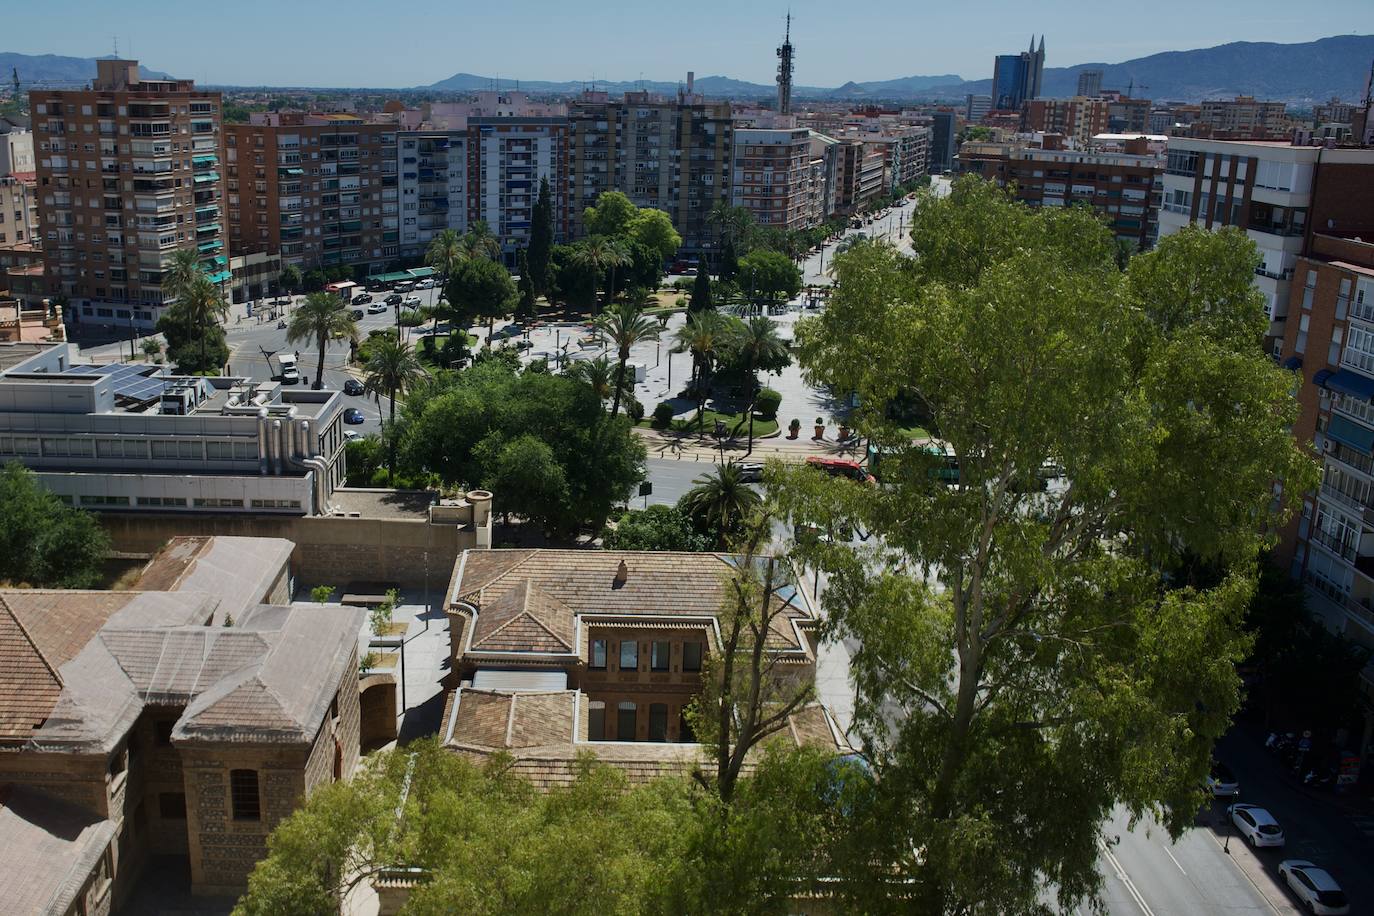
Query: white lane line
[[1172, 859], [1125, 879]]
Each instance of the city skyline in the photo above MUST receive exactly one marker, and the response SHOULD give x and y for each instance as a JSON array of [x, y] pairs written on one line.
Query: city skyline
[[720, 40]]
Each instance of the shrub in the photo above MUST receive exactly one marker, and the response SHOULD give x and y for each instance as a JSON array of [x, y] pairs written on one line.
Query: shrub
[[410, 318], [767, 404], [635, 409], [663, 414]]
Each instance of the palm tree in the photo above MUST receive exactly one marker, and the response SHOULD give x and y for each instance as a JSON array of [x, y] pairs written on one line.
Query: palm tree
[[446, 251], [702, 336], [180, 273], [321, 318], [392, 368], [758, 342], [601, 254], [481, 242], [720, 502], [201, 304], [598, 374], [626, 325]]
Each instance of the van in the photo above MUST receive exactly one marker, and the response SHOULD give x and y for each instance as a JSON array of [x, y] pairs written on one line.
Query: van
[[404, 286], [290, 375]]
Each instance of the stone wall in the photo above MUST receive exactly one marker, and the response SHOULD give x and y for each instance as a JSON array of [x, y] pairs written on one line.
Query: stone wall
[[408, 551], [377, 713], [80, 780]]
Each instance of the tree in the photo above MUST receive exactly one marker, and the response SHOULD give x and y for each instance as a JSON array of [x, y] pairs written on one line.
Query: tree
[[482, 288], [43, 542], [152, 349], [701, 292], [703, 335], [599, 255], [626, 325], [600, 376], [197, 306], [611, 216], [541, 241], [719, 503], [654, 230], [747, 693], [524, 308], [769, 275], [290, 278], [729, 261], [1028, 660], [526, 472], [756, 342], [322, 317], [392, 368], [572, 279], [446, 251], [655, 528]]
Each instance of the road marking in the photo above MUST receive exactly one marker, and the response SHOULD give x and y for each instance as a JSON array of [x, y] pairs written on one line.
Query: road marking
[[1125, 879], [1172, 859]]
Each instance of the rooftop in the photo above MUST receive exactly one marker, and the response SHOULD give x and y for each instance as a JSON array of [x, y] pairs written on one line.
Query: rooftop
[[49, 847], [12, 354]]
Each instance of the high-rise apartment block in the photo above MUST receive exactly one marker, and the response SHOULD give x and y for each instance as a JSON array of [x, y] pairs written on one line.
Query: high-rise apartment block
[[128, 172], [860, 176], [1080, 117], [319, 190], [1243, 118], [772, 175], [976, 107], [1089, 83], [433, 186], [944, 141], [507, 157], [1018, 78]]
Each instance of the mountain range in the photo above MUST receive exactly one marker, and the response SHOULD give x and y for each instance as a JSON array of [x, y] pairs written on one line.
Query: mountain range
[[1303, 72], [56, 70]]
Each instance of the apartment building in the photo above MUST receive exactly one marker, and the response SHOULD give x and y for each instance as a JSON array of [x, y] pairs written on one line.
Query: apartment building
[[674, 155], [16, 149], [772, 175], [906, 154], [319, 190], [558, 653], [433, 181], [1128, 115], [19, 209], [944, 141], [1078, 118], [861, 175], [507, 158], [1267, 189], [127, 438], [1242, 117], [1089, 83], [128, 172], [181, 719], [1123, 187]]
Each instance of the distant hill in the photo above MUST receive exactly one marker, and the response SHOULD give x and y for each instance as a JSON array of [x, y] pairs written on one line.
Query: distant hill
[[55, 70], [1307, 72]]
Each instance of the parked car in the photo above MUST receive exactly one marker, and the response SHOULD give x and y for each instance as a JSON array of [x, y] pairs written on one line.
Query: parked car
[[353, 387], [376, 308], [838, 467], [1256, 825], [363, 299], [393, 299], [356, 314], [412, 302], [404, 286], [352, 434], [523, 344], [1314, 887], [426, 283], [750, 471], [1221, 782], [353, 416]]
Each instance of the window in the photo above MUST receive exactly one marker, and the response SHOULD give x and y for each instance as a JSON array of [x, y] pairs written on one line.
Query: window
[[658, 721], [691, 656], [685, 734], [596, 721], [598, 655], [243, 795], [626, 714], [172, 805], [662, 652], [629, 655]]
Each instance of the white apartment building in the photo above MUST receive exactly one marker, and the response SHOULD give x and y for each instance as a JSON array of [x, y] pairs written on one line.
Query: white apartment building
[[433, 184], [16, 150]]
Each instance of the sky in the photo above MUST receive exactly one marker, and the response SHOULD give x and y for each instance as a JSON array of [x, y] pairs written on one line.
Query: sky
[[363, 43]]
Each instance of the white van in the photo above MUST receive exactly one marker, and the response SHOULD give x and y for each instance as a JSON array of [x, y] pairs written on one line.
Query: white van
[[290, 375]]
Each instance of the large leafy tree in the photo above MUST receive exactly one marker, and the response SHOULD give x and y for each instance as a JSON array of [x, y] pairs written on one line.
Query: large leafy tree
[[322, 317], [769, 275], [611, 216], [43, 542], [526, 472], [391, 369], [626, 325], [654, 528], [1028, 659], [654, 230], [482, 288], [541, 241]]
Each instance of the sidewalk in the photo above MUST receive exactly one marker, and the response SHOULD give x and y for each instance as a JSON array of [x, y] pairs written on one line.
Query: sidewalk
[[704, 448]]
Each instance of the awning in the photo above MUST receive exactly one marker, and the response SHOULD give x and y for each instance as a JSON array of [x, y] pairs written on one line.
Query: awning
[[1293, 362], [290, 171], [513, 681], [220, 277], [204, 158], [1347, 382], [206, 177], [1348, 432]]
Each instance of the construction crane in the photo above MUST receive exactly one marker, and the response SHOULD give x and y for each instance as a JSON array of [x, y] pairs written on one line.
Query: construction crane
[[1130, 90]]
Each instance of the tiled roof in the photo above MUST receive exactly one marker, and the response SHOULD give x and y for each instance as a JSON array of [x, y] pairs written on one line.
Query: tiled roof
[[49, 847], [29, 686], [525, 619], [488, 719], [62, 622]]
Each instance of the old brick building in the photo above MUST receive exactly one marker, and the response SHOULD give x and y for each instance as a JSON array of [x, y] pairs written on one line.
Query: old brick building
[[183, 718], [560, 652]]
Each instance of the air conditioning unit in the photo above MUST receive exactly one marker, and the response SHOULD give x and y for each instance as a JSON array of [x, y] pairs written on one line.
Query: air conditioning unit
[[1328, 445]]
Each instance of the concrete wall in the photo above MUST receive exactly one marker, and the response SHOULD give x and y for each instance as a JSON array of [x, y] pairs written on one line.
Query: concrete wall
[[329, 550], [377, 713]]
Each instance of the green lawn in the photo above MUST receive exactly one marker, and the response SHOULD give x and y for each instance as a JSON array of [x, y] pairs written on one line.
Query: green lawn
[[439, 341], [740, 420]]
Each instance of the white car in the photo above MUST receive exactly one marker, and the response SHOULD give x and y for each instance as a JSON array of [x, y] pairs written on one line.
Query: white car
[[425, 284], [1221, 782], [1314, 887], [411, 302], [376, 308], [351, 434], [1256, 825]]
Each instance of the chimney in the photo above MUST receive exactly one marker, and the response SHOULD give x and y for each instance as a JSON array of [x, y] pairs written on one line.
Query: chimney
[[622, 572]]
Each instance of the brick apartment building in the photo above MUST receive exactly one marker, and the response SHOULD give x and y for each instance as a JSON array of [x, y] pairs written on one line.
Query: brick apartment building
[[184, 718], [1240, 118], [861, 175], [128, 172], [557, 653], [1080, 117], [772, 175], [317, 189]]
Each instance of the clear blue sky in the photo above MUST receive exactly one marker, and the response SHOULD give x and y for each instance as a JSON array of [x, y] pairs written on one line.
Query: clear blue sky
[[417, 42]]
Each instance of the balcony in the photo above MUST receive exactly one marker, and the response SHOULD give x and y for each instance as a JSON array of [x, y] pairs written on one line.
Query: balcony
[[212, 245]]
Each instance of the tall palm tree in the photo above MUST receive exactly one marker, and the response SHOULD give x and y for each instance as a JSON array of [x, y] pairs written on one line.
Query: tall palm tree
[[481, 242], [601, 254], [446, 251], [626, 325], [321, 318], [758, 342], [720, 502], [200, 304], [598, 374], [392, 368], [180, 273], [702, 336]]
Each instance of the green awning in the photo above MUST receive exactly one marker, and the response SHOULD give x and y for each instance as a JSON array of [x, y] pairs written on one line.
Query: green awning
[[392, 277], [208, 208], [210, 158], [1348, 432], [210, 245], [208, 227], [220, 277], [219, 260], [207, 177], [289, 171], [418, 272]]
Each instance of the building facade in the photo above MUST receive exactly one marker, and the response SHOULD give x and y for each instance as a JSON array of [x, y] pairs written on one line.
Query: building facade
[[861, 176], [19, 210], [976, 107], [1089, 83], [128, 172], [433, 179], [507, 158], [1243, 118], [772, 175], [1079, 118], [944, 141], [16, 150]]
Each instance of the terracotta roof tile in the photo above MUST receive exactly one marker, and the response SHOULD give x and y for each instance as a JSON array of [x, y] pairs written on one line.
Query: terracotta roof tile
[[525, 619], [62, 622], [29, 686]]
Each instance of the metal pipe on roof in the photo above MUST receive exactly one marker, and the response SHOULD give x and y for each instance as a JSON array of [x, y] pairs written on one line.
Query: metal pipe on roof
[[262, 442], [274, 441]]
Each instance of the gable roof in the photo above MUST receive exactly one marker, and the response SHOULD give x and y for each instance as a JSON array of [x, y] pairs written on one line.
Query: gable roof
[[29, 686], [525, 619]]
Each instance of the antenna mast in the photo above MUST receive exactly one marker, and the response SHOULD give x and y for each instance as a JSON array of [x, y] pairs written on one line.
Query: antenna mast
[[785, 70]]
